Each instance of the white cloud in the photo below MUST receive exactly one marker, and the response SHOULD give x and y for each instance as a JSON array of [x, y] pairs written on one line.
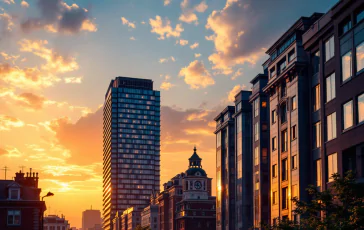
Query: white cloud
[[197, 55], [132, 38], [232, 93], [167, 2], [164, 60]]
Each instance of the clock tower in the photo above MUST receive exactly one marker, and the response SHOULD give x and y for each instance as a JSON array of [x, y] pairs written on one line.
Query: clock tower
[[196, 210], [195, 182]]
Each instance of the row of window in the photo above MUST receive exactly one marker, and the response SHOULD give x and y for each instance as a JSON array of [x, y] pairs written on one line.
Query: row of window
[[135, 131], [131, 176], [139, 171], [136, 136], [285, 196], [134, 101], [138, 154], [135, 111], [127, 166], [285, 167]]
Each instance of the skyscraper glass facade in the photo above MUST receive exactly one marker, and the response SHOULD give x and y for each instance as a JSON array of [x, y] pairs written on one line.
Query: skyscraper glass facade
[[131, 145]]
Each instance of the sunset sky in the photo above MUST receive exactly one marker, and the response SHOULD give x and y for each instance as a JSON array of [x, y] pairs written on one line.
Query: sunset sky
[[57, 58]]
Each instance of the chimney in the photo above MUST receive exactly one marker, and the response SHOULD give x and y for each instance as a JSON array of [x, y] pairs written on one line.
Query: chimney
[[19, 177]]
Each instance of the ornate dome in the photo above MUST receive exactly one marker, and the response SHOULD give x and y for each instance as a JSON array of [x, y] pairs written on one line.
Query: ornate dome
[[195, 167]]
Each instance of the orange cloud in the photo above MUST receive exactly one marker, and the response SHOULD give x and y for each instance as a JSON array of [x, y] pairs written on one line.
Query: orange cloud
[[31, 100], [188, 14], [182, 42], [6, 22], [166, 85], [198, 116], [54, 61], [128, 23], [194, 45], [232, 93], [164, 60], [9, 122], [197, 55], [73, 80], [27, 77], [196, 75], [24, 4], [164, 28], [205, 132], [167, 2]]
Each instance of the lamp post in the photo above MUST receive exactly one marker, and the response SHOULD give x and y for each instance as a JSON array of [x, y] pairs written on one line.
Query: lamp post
[[47, 195]]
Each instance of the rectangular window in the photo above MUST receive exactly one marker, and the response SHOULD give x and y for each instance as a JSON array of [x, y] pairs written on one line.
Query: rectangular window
[[14, 194], [284, 198], [360, 57], [331, 165], [256, 180], [294, 191], [283, 89], [317, 135], [272, 72], [359, 16], [291, 55], [275, 197], [256, 131], [256, 107], [294, 102], [282, 65], [294, 162], [274, 116], [274, 171], [348, 115], [361, 108], [346, 66], [13, 217], [316, 62], [318, 173], [256, 156], [284, 169], [345, 26], [284, 141], [329, 49], [331, 126], [330, 87], [316, 98], [274, 143], [294, 132], [283, 113]]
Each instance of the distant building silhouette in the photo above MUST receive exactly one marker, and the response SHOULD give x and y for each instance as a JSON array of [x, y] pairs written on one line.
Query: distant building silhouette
[[20, 204], [131, 146], [55, 222], [90, 218]]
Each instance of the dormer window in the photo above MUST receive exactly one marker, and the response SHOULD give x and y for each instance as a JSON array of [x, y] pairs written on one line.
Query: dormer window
[[14, 194]]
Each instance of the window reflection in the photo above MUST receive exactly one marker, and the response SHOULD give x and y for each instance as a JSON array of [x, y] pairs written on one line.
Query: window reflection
[[360, 57], [346, 66]]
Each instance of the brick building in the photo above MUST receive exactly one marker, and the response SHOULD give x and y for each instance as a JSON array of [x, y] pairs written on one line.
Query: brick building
[[20, 204]]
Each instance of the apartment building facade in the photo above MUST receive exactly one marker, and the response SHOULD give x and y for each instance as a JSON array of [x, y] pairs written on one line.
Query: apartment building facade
[[243, 159], [260, 147], [335, 47], [225, 169]]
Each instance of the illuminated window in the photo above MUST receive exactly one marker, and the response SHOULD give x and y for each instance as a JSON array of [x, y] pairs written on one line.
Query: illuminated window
[[331, 165]]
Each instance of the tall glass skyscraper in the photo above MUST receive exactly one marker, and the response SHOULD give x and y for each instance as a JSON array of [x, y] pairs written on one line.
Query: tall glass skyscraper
[[131, 160]]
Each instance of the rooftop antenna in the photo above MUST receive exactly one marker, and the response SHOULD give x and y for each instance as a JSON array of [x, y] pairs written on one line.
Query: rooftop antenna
[[5, 169], [22, 167]]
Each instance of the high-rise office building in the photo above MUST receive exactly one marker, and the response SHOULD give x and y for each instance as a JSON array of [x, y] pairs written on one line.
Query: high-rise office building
[[225, 169], [131, 159], [90, 218]]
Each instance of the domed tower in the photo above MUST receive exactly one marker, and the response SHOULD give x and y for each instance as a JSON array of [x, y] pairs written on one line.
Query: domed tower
[[195, 180]]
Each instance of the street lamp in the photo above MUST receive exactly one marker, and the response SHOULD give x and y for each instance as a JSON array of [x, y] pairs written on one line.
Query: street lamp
[[47, 195]]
